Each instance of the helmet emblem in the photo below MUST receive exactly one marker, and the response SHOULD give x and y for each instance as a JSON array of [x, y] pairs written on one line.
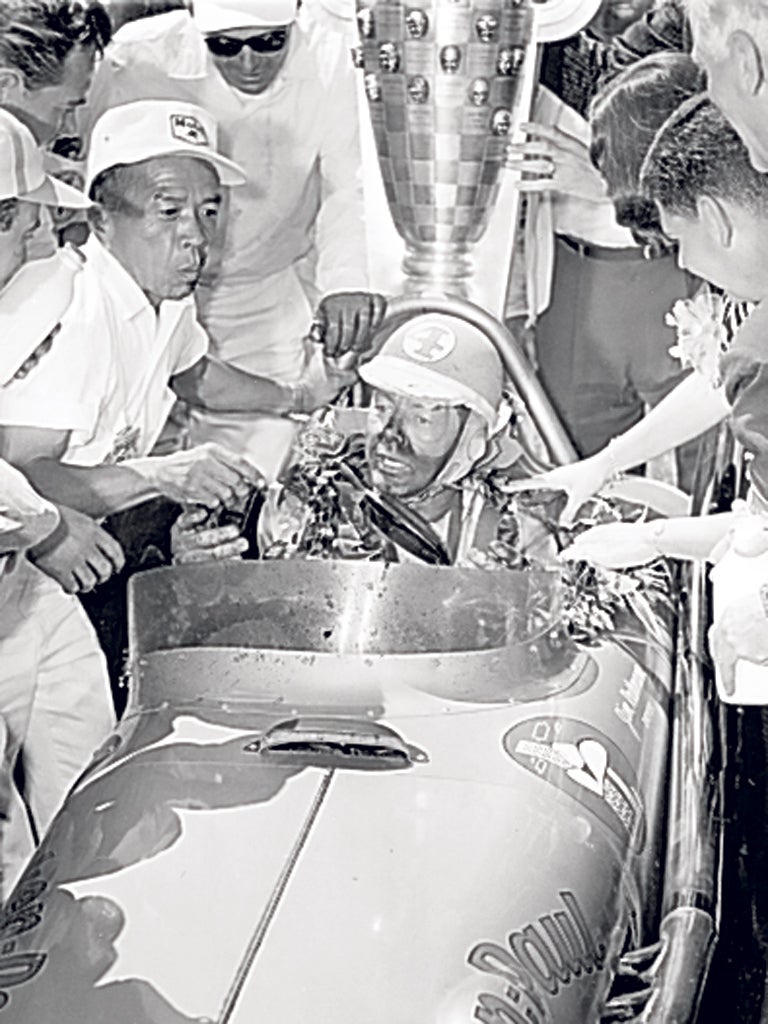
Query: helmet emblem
[[429, 344]]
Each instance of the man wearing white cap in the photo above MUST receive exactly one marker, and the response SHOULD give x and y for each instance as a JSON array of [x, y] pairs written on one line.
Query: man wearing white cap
[[54, 709], [130, 341], [295, 231], [81, 422]]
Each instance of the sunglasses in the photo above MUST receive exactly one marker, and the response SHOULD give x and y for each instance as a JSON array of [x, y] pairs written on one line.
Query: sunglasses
[[230, 46]]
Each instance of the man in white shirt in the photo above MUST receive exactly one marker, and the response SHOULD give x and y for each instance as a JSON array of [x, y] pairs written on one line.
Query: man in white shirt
[[55, 710], [84, 422], [287, 113]]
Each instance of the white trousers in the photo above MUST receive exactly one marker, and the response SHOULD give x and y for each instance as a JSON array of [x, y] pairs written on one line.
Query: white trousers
[[56, 705]]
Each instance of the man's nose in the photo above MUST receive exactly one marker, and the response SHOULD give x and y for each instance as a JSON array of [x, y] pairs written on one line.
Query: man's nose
[[191, 233], [68, 123], [250, 60], [392, 429]]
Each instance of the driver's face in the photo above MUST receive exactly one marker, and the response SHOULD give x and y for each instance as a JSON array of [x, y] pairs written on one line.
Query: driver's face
[[409, 441]]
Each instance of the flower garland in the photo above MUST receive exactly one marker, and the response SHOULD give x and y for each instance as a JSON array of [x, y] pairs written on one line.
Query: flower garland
[[595, 600], [337, 524]]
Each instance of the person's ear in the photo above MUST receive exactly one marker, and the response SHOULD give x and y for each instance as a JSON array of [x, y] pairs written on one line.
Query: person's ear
[[747, 61], [101, 223], [716, 220], [11, 83]]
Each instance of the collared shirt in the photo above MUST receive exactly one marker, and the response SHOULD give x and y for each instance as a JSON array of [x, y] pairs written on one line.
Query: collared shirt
[[106, 378], [298, 142]]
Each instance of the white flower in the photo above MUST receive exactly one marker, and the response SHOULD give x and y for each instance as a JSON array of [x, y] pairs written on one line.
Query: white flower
[[701, 337]]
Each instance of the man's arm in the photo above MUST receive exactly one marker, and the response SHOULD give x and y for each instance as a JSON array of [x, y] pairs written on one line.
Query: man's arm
[[219, 387], [95, 491], [207, 475]]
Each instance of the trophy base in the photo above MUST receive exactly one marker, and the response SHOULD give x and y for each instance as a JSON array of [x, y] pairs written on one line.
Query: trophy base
[[437, 268]]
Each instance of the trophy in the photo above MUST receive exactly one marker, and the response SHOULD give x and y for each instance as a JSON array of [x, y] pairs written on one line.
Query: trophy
[[443, 79]]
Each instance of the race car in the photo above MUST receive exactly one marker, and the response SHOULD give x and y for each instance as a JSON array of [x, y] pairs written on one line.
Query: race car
[[383, 793]]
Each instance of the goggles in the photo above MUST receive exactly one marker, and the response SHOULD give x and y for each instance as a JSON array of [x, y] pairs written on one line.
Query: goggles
[[231, 46], [431, 428]]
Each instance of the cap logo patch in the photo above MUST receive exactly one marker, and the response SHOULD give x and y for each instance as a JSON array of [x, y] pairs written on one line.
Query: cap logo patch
[[188, 128], [429, 344]]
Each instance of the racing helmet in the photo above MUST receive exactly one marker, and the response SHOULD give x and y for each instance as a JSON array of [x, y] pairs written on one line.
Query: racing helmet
[[444, 359]]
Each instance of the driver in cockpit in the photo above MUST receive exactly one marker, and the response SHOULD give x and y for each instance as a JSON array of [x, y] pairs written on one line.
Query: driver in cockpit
[[410, 478]]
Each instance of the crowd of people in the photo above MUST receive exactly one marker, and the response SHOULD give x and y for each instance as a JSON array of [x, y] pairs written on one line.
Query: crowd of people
[[208, 158]]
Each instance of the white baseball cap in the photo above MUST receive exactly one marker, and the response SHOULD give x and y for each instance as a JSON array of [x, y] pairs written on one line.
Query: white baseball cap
[[138, 131], [213, 16], [22, 175]]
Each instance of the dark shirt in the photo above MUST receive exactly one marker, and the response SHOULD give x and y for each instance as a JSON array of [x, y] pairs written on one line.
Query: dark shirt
[[575, 68]]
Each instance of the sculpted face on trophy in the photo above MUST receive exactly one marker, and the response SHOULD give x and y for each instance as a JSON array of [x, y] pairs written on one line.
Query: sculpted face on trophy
[[358, 60], [450, 59], [389, 57], [477, 49], [486, 28], [501, 122], [510, 60], [366, 22], [479, 91], [417, 23], [418, 89], [372, 88]]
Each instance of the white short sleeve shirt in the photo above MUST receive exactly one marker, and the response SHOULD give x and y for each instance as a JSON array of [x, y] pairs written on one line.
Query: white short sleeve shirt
[[106, 378]]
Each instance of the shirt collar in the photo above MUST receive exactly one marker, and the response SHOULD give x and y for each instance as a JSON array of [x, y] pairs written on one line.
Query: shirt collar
[[118, 282]]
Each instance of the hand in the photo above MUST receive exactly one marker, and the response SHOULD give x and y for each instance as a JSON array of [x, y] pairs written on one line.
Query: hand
[[615, 545], [552, 161], [740, 632], [78, 554], [321, 383], [207, 475], [580, 481], [193, 541], [347, 321]]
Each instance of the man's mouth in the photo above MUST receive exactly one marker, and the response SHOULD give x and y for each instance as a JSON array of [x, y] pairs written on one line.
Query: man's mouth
[[191, 273], [390, 465]]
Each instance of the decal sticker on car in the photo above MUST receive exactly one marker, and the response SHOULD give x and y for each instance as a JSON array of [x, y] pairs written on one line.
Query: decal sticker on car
[[586, 764], [537, 961]]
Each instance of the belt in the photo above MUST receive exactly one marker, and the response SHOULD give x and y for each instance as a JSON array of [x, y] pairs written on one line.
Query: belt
[[602, 252]]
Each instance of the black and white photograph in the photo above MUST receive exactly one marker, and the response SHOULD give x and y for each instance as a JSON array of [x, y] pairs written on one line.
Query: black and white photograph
[[383, 511]]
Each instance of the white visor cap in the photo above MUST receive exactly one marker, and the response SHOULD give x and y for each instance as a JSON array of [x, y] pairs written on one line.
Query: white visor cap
[[216, 16], [133, 132]]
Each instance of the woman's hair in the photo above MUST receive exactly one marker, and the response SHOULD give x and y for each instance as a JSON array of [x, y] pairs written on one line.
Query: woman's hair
[[37, 36], [625, 117]]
